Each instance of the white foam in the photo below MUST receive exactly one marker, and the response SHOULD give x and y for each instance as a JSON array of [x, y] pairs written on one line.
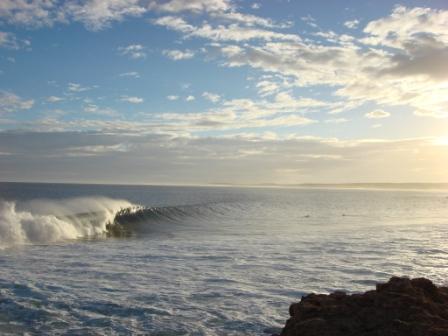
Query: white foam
[[43, 221]]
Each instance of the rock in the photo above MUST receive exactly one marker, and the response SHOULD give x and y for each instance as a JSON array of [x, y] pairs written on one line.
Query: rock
[[400, 307]]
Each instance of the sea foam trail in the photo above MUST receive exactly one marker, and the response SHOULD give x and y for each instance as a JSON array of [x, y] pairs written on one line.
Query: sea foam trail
[[44, 221]]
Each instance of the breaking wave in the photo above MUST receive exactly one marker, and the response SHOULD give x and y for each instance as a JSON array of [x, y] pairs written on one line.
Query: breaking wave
[[45, 221]]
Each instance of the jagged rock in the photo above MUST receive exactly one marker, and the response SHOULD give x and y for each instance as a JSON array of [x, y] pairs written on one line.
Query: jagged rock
[[399, 307]]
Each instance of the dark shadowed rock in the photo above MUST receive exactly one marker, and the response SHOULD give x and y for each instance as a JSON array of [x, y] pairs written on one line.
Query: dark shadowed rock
[[400, 307]]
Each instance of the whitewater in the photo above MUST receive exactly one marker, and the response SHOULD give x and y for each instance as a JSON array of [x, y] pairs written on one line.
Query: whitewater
[[127, 260]]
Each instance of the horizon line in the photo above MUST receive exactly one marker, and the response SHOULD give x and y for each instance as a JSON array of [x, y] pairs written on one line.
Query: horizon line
[[259, 185]]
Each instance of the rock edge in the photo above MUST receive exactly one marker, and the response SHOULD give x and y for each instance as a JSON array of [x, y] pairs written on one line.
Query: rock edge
[[402, 306]]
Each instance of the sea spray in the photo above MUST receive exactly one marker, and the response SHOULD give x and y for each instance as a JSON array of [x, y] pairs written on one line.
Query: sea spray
[[44, 221]]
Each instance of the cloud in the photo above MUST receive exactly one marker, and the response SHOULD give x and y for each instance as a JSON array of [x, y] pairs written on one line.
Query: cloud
[[377, 114], [234, 114], [94, 14], [336, 121], [54, 99], [196, 6], [311, 64], [420, 37], [432, 63], [30, 13], [406, 23], [257, 158], [177, 55], [266, 88], [75, 87], [99, 14], [403, 68], [248, 20], [133, 74], [213, 97], [310, 21], [10, 41], [231, 32], [10, 102], [282, 110], [431, 113], [91, 108], [176, 23], [95, 109], [132, 100], [353, 24], [96, 150], [134, 51]]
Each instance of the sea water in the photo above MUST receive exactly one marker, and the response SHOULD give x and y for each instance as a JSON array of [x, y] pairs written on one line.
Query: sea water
[[147, 260]]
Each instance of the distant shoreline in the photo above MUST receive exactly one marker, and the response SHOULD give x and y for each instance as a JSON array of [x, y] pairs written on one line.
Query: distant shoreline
[[361, 186]]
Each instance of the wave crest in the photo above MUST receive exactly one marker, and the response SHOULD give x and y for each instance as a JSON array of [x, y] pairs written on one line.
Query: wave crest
[[47, 221]]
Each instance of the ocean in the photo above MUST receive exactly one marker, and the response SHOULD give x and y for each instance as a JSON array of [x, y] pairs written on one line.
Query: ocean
[[165, 260]]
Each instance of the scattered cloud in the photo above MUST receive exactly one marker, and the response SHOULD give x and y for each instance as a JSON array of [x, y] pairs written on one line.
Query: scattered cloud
[[95, 109], [267, 87], [99, 14], [353, 24], [310, 21], [190, 98], [377, 114], [177, 55], [54, 99], [172, 97], [400, 62], [283, 111], [132, 100], [10, 41], [133, 74], [30, 13], [133, 51], [248, 20], [231, 32], [336, 121], [10, 102], [91, 108], [75, 87], [94, 14], [195, 6], [213, 97]]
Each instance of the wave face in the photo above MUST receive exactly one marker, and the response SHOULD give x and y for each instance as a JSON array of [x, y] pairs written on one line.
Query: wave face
[[45, 221]]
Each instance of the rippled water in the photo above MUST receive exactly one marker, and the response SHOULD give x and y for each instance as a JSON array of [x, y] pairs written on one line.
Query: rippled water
[[204, 261]]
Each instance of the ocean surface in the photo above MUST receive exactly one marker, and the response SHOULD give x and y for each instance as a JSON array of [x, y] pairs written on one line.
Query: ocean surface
[[133, 260]]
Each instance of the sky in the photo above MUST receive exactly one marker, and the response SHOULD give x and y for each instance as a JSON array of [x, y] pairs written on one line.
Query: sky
[[223, 91]]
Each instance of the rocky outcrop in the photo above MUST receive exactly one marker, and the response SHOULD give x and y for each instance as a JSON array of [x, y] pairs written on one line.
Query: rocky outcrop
[[399, 307]]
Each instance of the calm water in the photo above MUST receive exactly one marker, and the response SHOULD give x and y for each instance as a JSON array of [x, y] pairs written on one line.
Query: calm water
[[201, 261]]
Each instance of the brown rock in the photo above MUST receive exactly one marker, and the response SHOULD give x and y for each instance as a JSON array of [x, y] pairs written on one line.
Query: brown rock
[[400, 307]]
